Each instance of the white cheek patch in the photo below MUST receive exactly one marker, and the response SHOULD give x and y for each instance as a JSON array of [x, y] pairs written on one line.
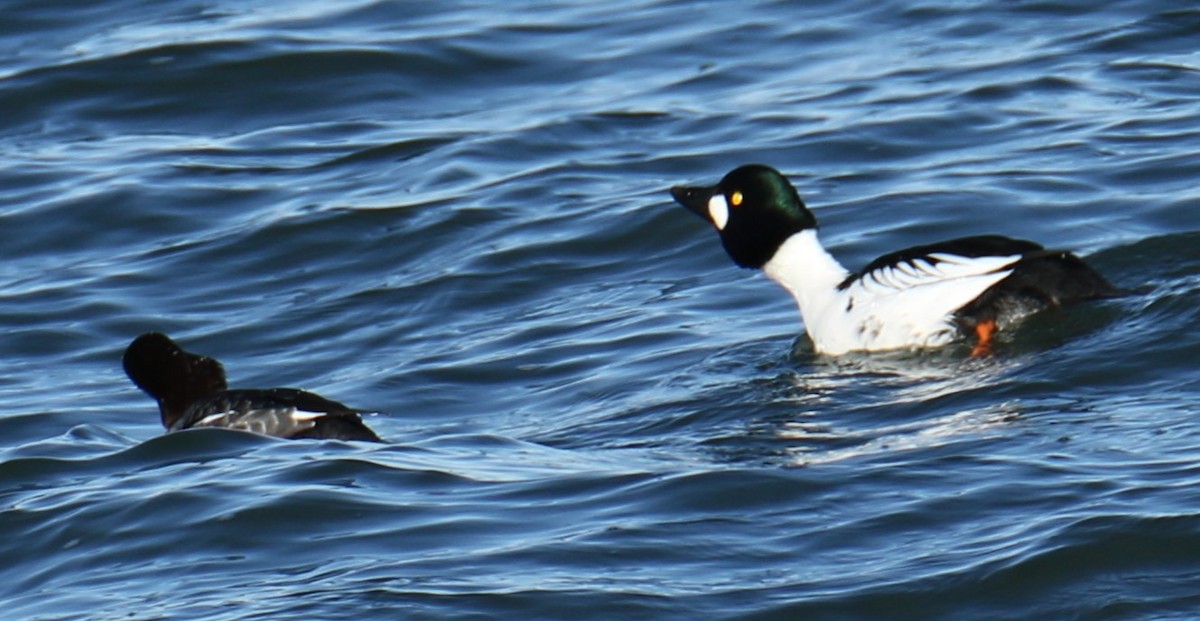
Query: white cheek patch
[[718, 211]]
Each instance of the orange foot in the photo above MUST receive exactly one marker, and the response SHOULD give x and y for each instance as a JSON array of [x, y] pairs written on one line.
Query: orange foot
[[985, 330]]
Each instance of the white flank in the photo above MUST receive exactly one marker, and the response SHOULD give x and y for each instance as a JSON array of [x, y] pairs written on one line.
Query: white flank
[[301, 416], [891, 308], [718, 211], [212, 419]]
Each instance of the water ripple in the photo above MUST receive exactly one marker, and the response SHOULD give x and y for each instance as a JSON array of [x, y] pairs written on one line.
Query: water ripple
[[455, 215]]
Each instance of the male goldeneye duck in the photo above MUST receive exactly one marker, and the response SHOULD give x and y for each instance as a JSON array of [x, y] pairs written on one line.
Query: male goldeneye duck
[[923, 296], [191, 392]]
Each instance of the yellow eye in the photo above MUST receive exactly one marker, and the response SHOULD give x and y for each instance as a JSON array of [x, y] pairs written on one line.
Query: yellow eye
[[735, 199]]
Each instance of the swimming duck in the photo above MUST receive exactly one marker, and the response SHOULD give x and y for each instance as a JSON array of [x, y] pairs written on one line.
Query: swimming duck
[[925, 296], [191, 392]]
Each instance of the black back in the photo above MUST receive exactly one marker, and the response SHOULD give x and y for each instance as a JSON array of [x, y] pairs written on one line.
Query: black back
[[969, 247]]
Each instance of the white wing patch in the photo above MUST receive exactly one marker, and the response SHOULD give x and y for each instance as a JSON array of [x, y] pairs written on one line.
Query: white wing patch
[[936, 268], [910, 303], [267, 421], [301, 416], [906, 304], [216, 419]]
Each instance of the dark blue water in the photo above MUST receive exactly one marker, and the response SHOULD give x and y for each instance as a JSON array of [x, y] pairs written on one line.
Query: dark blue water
[[454, 214]]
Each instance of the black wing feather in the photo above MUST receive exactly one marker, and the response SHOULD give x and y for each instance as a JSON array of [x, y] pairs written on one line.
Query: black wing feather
[[969, 247]]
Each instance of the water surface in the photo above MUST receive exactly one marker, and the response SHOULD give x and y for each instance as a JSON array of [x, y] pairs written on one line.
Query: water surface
[[455, 215]]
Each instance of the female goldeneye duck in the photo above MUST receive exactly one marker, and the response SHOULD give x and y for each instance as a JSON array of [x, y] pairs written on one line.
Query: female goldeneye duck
[[923, 296], [191, 392]]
